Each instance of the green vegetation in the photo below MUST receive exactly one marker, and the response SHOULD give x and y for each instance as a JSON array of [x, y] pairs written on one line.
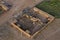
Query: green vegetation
[[1, 11], [52, 7]]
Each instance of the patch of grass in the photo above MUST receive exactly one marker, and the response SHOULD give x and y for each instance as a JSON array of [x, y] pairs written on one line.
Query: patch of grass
[[1, 11], [52, 7]]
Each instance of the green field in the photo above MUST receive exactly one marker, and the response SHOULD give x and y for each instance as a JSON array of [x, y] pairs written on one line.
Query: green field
[[52, 7]]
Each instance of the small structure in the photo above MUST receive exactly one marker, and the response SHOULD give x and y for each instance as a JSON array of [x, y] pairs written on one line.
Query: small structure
[[32, 21], [4, 6]]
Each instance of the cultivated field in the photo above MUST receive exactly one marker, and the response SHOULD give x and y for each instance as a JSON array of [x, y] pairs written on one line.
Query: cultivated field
[[51, 6]]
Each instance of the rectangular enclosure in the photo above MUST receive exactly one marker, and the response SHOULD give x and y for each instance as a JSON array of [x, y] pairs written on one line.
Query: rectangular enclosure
[[32, 21]]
